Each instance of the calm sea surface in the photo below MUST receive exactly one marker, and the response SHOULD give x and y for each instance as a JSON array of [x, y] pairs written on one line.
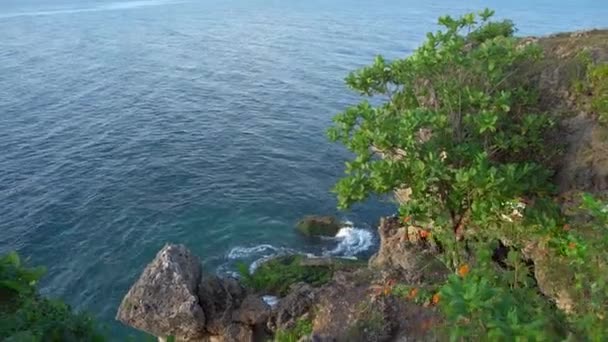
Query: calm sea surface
[[127, 124]]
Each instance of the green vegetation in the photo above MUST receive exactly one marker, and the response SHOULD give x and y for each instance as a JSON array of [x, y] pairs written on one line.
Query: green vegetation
[[464, 135], [277, 275], [26, 316], [592, 89], [302, 328]]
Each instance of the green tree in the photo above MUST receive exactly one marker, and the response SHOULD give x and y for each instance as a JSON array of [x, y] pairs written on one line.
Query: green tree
[[454, 128], [26, 316]]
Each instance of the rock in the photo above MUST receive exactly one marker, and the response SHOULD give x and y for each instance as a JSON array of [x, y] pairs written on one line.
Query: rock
[[333, 263], [219, 298], [351, 309], [163, 301], [253, 311], [319, 226], [296, 304], [237, 333], [583, 166], [554, 277], [344, 310], [403, 252]]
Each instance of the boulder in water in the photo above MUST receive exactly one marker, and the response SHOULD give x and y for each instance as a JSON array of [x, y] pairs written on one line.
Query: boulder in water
[[319, 226]]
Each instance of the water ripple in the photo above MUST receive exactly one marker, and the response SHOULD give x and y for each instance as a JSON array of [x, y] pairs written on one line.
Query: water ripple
[[124, 125]]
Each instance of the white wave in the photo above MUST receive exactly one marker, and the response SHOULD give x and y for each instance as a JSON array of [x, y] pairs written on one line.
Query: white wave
[[352, 241], [272, 301], [254, 265], [244, 252], [260, 254]]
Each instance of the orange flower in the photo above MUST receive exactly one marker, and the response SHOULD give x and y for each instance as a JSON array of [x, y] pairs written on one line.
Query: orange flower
[[435, 299], [463, 270], [566, 227], [407, 219], [387, 291], [424, 234], [413, 293], [572, 245]]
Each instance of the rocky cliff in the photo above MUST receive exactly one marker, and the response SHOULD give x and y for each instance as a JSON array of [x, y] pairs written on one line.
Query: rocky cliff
[[174, 297]]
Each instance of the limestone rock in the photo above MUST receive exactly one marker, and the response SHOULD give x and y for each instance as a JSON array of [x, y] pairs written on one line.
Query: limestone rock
[[253, 311], [296, 304], [583, 166], [348, 309], [319, 226], [219, 297], [163, 301], [553, 276], [403, 252], [237, 332]]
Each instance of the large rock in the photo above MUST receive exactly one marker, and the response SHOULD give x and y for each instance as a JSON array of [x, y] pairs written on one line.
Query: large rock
[[351, 308], [402, 251], [236, 332], [163, 301], [253, 311], [219, 297], [584, 164], [319, 226], [296, 304]]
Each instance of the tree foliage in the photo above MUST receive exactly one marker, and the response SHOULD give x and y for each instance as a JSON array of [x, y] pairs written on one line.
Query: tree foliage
[[454, 129], [26, 316]]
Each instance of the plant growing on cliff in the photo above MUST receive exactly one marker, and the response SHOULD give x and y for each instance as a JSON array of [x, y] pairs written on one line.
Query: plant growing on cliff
[[460, 138], [587, 257], [592, 89], [26, 316], [454, 129], [303, 327]]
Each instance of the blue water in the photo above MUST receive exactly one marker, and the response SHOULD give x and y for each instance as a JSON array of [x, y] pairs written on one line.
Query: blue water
[[127, 124]]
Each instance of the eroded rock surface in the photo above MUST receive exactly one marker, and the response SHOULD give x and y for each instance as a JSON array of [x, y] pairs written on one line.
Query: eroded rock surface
[[163, 301], [297, 303], [319, 226], [401, 251]]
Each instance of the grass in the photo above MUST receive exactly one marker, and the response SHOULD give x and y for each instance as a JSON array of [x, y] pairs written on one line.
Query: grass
[[302, 328], [277, 275]]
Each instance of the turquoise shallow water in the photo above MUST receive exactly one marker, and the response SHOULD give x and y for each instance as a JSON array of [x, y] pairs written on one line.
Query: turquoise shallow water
[[127, 124]]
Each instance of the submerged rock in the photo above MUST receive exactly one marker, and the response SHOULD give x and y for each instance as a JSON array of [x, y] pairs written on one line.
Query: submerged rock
[[163, 301], [319, 226]]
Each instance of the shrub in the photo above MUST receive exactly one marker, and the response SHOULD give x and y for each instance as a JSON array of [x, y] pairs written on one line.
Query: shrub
[[455, 128], [26, 316], [302, 328], [592, 88]]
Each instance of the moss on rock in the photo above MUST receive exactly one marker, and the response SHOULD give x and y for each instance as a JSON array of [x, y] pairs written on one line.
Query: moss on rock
[[319, 226]]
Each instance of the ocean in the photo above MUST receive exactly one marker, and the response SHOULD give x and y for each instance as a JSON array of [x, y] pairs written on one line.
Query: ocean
[[128, 124]]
